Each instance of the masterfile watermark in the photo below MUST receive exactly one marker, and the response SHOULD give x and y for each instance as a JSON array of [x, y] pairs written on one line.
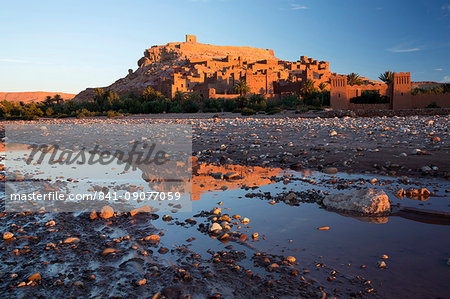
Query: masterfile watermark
[[140, 153], [83, 167]]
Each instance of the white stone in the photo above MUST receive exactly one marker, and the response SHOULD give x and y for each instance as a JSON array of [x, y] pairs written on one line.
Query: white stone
[[364, 201]]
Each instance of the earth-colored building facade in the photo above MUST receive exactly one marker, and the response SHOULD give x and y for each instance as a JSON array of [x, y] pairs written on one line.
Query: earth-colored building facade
[[216, 77]]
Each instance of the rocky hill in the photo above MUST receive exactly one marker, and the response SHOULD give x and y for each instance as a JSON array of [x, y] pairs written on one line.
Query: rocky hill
[[159, 63], [32, 96]]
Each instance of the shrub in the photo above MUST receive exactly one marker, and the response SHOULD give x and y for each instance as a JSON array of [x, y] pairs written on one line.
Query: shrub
[[190, 107], [257, 102], [49, 111], [370, 97], [289, 101], [229, 105], [248, 111], [274, 110], [176, 107], [111, 114], [433, 105]]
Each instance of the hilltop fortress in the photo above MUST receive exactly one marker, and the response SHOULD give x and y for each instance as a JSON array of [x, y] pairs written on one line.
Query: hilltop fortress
[[212, 71]]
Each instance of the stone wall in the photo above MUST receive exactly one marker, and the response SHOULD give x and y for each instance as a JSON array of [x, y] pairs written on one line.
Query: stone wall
[[423, 100]]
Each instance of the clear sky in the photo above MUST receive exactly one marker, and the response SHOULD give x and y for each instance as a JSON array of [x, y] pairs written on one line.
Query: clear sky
[[68, 45]]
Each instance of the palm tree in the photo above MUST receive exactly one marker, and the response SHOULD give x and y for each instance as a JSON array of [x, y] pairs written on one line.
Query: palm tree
[[48, 101], [307, 87], [57, 98], [241, 87], [354, 79], [322, 86], [387, 77]]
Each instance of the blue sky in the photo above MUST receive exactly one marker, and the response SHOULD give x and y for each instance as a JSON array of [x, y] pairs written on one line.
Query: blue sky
[[67, 45]]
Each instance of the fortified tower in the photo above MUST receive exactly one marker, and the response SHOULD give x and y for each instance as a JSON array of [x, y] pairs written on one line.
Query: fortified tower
[[401, 91], [338, 92], [191, 38]]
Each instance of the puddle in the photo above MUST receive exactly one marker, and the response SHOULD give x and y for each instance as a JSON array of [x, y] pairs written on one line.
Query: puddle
[[417, 249]]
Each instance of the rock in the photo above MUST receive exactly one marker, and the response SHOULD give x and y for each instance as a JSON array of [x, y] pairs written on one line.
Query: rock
[[243, 237], [323, 228], [144, 209], [93, 215], [416, 151], [403, 155], [167, 218], [107, 212], [412, 192], [424, 191], [290, 196], [72, 240], [448, 262], [384, 256], [400, 193], [291, 259], [333, 133], [426, 169], [50, 223], [7, 235], [224, 236], [217, 211], [331, 170], [215, 227], [245, 221], [153, 238], [141, 282], [255, 236], [163, 250], [231, 176], [109, 250], [367, 201], [35, 277], [273, 267], [381, 264]]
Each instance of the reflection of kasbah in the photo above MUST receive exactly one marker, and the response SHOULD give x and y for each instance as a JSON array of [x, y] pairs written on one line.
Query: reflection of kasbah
[[215, 177]]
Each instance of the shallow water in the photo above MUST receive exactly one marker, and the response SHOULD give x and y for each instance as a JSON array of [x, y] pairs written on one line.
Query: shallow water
[[418, 251]]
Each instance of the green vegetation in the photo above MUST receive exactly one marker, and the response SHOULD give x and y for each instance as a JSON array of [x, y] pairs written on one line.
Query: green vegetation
[[242, 88], [354, 79], [370, 97], [442, 88], [386, 77], [111, 105]]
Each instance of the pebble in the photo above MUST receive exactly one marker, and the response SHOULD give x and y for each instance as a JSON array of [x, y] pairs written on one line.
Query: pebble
[[109, 250], [153, 238], [72, 240], [381, 264], [141, 282], [245, 221], [384, 257], [163, 250], [215, 227], [323, 228], [167, 218], [331, 170], [7, 235], [34, 277], [291, 259], [107, 212], [255, 236]]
